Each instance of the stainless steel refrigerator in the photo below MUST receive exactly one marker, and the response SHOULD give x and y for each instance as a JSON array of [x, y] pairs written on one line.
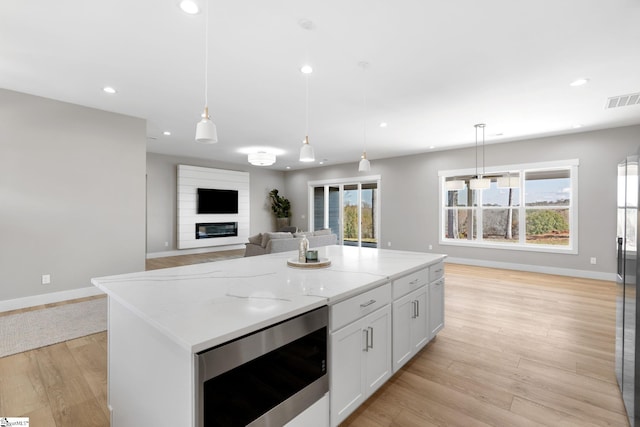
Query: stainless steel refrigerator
[[627, 320]]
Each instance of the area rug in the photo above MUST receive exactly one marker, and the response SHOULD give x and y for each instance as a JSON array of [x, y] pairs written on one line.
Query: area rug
[[33, 329]]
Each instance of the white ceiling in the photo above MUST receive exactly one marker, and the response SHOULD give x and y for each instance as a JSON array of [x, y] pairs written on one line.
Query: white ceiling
[[436, 69]]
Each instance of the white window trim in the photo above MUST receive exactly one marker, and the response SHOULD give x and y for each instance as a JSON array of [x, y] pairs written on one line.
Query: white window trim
[[341, 182], [573, 164]]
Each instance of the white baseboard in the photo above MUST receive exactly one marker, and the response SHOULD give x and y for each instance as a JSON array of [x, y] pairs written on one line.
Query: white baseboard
[[31, 301], [585, 274], [193, 251]]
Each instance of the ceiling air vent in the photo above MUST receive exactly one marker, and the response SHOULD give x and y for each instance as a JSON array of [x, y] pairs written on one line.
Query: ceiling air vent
[[623, 100]]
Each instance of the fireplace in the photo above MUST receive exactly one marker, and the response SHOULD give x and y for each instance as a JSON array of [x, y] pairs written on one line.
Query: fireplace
[[208, 230]]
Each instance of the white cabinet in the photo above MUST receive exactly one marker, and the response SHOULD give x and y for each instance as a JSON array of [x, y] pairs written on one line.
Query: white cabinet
[[360, 352], [436, 307], [410, 326], [410, 316]]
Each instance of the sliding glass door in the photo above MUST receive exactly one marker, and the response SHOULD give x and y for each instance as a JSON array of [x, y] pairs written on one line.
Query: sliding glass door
[[350, 209]]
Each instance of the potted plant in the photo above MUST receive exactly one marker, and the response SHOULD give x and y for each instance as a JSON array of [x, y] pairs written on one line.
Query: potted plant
[[281, 207]]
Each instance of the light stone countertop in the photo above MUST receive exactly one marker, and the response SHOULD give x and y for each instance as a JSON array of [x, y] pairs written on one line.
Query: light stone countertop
[[204, 305]]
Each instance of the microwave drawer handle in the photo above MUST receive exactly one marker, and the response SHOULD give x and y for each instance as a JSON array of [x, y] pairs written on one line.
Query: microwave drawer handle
[[368, 303]]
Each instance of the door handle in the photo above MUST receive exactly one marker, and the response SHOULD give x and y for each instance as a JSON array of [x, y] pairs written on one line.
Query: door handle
[[366, 339], [370, 329]]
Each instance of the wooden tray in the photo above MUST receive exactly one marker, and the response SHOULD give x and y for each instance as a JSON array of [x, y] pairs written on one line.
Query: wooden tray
[[321, 263]]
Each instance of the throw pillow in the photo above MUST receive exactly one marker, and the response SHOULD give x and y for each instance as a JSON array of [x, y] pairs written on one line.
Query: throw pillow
[[323, 232], [268, 236], [256, 240], [303, 233]]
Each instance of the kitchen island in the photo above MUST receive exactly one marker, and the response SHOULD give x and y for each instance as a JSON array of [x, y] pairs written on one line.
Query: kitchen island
[[160, 320]]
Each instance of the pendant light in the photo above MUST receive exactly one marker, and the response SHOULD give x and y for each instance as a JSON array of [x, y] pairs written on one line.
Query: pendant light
[[206, 131], [479, 183], [509, 181], [306, 151], [455, 185], [364, 165]]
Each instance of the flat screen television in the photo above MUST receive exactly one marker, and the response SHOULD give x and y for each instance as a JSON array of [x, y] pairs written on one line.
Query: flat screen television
[[213, 201]]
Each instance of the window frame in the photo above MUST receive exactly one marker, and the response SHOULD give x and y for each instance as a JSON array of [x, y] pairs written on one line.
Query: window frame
[[571, 165]]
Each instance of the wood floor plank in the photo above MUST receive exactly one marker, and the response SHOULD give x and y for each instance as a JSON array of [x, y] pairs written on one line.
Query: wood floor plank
[[71, 399]]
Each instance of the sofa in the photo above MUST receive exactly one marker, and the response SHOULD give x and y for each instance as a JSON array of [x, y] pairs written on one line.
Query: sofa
[[267, 243]]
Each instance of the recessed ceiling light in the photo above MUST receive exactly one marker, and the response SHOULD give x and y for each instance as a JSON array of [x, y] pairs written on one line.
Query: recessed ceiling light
[[306, 24], [576, 126], [288, 167], [383, 125], [306, 69], [190, 7], [109, 89], [166, 133], [431, 147], [579, 82]]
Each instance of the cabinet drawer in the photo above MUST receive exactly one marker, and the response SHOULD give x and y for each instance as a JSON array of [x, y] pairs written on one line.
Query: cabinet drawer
[[354, 308], [436, 271], [410, 282]]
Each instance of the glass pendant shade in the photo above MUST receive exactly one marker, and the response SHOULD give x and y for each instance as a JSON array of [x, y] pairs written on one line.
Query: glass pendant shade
[[306, 151], [365, 164], [262, 158], [206, 131], [456, 184], [479, 183]]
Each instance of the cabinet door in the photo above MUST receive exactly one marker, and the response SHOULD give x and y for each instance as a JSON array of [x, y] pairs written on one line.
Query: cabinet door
[[346, 370], [436, 306], [403, 310], [420, 325], [378, 354], [411, 329]]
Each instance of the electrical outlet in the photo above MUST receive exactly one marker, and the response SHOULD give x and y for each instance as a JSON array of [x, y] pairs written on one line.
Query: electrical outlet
[[46, 279], [166, 244], [389, 244], [430, 247], [593, 260]]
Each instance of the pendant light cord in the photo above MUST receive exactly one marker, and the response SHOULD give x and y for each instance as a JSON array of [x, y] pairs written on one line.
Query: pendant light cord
[[206, 54], [476, 151], [483, 172], [307, 94], [364, 105], [480, 125]]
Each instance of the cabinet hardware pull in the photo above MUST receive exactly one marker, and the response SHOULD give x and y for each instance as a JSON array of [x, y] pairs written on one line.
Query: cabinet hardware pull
[[417, 308], [371, 329], [366, 339], [413, 305], [413, 282], [368, 303]]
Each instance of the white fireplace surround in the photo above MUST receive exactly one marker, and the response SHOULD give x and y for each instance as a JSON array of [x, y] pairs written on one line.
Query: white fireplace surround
[[190, 178]]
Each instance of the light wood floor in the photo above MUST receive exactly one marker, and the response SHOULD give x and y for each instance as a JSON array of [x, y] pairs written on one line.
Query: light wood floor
[[518, 349]]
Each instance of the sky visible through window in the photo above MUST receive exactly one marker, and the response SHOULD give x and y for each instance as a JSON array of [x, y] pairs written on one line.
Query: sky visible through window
[[537, 191]]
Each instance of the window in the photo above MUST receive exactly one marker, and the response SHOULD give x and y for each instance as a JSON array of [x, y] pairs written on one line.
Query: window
[[349, 207], [527, 207]]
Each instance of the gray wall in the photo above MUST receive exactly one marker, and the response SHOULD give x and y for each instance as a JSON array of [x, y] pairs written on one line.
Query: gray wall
[[409, 193], [71, 194], [161, 197]]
